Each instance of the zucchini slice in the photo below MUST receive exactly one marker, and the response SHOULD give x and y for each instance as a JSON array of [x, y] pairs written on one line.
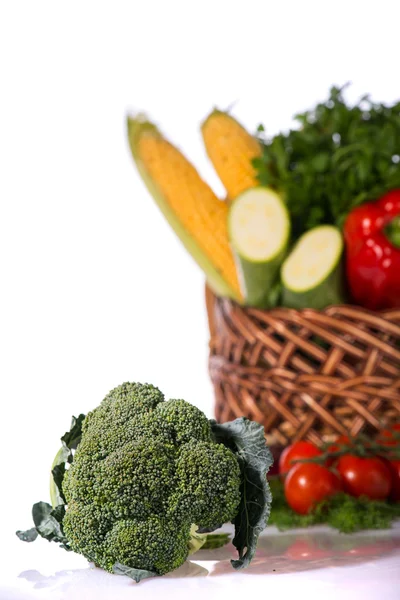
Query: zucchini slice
[[312, 275], [259, 230]]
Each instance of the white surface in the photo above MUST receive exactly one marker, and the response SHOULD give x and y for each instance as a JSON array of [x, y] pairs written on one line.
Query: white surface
[[95, 289], [304, 564]]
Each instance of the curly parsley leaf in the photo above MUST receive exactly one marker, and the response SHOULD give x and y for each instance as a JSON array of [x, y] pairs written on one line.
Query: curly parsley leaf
[[338, 157]]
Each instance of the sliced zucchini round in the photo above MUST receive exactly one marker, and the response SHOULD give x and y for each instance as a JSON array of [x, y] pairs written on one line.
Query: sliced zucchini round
[[311, 274], [259, 230]]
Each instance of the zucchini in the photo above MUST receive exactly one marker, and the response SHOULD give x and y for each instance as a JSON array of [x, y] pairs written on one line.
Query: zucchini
[[311, 275], [259, 231]]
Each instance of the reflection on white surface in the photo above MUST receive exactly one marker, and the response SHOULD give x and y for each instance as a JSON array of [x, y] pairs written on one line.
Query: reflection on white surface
[[77, 577], [364, 566], [310, 550]]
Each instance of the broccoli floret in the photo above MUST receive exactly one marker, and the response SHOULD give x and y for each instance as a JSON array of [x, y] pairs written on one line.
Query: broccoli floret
[[184, 421], [144, 472], [199, 464], [156, 544]]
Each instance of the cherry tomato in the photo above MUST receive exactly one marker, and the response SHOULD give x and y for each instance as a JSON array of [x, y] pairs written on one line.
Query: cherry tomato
[[394, 467], [296, 451], [307, 484], [365, 476], [276, 452]]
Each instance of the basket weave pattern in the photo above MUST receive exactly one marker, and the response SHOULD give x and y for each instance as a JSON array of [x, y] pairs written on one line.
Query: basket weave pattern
[[305, 374]]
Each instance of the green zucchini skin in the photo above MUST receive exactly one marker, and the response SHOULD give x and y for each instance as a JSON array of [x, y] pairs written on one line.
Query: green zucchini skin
[[330, 288], [329, 292], [258, 278]]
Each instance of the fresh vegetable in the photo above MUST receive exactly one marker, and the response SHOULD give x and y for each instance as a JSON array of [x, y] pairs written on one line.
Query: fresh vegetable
[[312, 274], [335, 158], [298, 450], [394, 468], [368, 477], [308, 484], [341, 511], [372, 234], [190, 206], [259, 229], [148, 477], [232, 150]]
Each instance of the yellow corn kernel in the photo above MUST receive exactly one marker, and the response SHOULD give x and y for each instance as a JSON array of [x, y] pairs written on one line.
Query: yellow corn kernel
[[199, 210], [231, 150]]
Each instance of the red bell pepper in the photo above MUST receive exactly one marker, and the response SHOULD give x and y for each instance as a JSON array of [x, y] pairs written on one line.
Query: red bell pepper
[[372, 237]]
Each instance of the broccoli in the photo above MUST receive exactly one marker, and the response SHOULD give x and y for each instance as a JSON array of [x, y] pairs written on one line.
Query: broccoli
[[146, 475]]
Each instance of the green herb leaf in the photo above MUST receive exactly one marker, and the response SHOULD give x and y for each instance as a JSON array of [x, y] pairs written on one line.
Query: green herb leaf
[[339, 157], [135, 574], [246, 439]]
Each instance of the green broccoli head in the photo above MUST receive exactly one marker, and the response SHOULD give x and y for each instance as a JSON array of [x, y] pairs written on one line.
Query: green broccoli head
[[143, 473]]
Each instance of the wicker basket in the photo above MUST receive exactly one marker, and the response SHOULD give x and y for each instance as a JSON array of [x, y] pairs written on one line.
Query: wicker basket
[[305, 374]]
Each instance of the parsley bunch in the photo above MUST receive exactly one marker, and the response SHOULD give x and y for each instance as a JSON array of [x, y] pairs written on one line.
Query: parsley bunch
[[338, 158]]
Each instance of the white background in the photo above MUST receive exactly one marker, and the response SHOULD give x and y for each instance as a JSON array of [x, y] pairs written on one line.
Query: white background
[[95, 289]]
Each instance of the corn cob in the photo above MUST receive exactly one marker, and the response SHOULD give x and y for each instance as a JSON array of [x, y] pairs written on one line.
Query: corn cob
[[196, 214], [231, 150]]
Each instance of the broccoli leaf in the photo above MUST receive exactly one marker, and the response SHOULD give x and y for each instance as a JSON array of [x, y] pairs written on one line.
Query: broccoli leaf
[[135, 574], [58, 473], [48, 524], [70, 441], [72, 437], [48, 520], [209, 529], [246, 439], [29, 535]]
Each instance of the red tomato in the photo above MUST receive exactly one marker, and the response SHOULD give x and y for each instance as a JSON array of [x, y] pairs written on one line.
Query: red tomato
[[394, 466], [308, 484], [365, 476], [296, 451], [276, 452]]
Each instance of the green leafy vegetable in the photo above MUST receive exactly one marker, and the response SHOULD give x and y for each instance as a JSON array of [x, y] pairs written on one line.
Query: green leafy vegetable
[[342, 512], [71, 438], [135, 574], [48, 524], [246, 439], [338, 157], [70, 441], [29, 535]]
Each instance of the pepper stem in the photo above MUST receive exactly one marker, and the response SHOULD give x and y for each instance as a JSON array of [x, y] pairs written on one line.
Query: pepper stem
[[392, 231]]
